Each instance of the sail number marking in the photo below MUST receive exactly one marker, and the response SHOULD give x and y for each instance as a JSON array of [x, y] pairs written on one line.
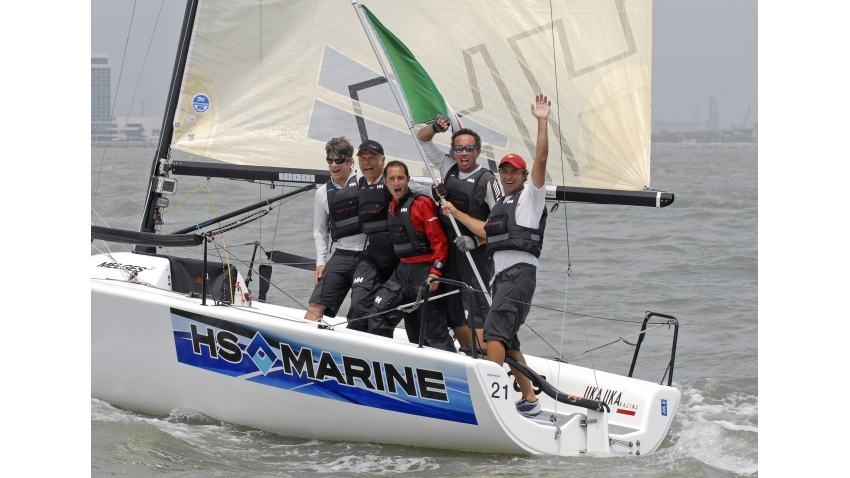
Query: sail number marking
[[497, 388]]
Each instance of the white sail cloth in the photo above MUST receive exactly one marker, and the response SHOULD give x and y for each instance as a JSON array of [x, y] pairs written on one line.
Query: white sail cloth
[[269, 83]]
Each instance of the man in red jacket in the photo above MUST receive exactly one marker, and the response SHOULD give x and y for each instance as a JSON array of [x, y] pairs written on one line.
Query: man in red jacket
[[421, 245]]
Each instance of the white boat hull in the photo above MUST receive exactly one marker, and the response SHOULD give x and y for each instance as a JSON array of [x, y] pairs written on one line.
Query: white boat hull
[[155, 350]]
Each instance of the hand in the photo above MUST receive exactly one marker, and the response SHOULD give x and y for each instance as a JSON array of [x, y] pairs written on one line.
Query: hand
[[320, 270], [434, 284], [439, 191], [540, 108], [449, 209], [465, 244], [441, 123]]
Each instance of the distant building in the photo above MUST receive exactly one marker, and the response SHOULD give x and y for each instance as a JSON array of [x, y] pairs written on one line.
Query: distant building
[[136, 128], [713, 122], [100, 98]]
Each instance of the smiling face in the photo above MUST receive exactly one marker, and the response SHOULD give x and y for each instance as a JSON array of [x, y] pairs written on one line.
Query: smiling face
[[371, 165], [512, 178], [397, 180], [465, 159], [339, 172]]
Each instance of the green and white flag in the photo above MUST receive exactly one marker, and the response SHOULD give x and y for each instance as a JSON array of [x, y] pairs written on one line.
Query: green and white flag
[[421, 96]]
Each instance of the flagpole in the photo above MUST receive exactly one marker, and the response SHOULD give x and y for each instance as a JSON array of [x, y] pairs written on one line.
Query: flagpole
[[406, 112]]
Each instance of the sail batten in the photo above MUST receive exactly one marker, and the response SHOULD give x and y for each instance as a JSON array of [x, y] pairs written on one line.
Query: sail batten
[[269, 83]]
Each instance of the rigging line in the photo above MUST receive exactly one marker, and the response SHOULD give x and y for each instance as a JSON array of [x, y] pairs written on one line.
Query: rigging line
[[621, 339], [276, 223], [135, 91], [107, 225], [112, 214], [224, 245], [573, 313], [117, 88], [578, 299], [271, 283], [181, 202]]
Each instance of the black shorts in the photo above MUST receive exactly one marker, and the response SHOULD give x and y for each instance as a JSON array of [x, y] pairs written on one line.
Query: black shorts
[[402, 287], [335, 282], [459, 268], [513, 289]]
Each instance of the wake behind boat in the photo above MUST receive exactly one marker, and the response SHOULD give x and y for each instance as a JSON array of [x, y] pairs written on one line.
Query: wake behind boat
[[171, 332]]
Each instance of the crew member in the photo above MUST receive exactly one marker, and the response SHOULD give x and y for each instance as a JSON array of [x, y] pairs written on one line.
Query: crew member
[[420, 243], [514, 235], [378, 260], [335, 214], [473, 191]]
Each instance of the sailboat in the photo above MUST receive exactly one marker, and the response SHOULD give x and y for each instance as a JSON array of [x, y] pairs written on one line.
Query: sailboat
[[257, 89]]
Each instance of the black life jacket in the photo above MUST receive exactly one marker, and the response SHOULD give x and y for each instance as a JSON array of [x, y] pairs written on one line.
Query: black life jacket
[[343, 209], [504, 234], [407, 241], [374, 203], [468, 195]]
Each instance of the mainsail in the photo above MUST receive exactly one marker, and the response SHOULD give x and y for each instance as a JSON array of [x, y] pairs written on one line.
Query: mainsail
[[268, 83]]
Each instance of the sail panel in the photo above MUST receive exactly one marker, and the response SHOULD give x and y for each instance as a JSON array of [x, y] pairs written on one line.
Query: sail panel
[[269, 83]]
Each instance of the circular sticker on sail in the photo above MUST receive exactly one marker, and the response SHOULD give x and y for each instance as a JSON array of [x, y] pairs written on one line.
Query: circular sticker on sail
[[190, 137], [200, 103], [191, 118]]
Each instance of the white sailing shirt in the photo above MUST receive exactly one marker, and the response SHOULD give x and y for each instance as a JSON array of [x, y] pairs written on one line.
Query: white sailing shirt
[[320, 225], [529, 211]]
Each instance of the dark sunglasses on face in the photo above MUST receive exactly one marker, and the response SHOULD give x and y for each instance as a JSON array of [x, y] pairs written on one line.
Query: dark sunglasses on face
[[469, 149], [336, 160]]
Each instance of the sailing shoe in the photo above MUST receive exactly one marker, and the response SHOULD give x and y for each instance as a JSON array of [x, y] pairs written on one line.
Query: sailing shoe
[[528, 409]]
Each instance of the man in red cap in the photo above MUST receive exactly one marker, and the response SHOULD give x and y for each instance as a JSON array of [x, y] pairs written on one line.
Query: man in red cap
[[514, 234]]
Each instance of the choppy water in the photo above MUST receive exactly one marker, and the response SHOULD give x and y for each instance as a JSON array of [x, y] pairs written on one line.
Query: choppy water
[[696, 260]]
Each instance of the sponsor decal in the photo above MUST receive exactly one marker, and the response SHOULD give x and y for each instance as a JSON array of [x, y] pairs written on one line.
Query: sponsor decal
[[378, 300], [298, 178], [611, 397], [663, 407], [358, 280], [274, 360], [470, 180], [200, 103], [191, 118], [126, 267], [509, 201], [626, 412], [404, 209]]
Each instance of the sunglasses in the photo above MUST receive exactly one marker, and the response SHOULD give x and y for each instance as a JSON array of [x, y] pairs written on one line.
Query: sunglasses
[[469, 149], [336, 160]]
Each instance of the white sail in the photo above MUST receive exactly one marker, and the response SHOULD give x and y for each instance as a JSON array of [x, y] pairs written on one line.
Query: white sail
[[269, 83]]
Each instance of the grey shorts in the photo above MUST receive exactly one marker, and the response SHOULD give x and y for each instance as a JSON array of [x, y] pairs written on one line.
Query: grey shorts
[[512, 289], [335, 282]]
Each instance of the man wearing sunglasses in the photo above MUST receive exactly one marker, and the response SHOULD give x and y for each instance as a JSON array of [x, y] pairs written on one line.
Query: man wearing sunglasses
[[336, 214], [473, 190], [514, 234]]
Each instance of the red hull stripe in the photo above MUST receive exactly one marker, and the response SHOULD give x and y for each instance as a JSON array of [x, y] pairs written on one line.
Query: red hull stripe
[[626, 412]]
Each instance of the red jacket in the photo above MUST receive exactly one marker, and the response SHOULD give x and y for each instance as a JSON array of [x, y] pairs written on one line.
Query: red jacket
[[423, 215]]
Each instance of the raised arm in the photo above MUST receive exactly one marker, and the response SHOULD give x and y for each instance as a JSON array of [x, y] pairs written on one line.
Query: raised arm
[[440, 124], [540, 110]]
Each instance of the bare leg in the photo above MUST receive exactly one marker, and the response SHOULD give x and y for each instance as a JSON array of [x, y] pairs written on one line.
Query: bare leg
[[496, 351], [463, 334], [522, 380], [314, 312]]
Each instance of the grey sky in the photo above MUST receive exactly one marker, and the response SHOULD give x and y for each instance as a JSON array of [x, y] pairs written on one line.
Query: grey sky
[[699, 48]]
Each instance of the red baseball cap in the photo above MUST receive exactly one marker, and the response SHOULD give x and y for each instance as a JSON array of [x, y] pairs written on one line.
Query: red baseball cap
[[514, 160]]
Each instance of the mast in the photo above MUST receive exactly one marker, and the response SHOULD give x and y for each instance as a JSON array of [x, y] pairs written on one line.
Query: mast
[[163, 150]]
